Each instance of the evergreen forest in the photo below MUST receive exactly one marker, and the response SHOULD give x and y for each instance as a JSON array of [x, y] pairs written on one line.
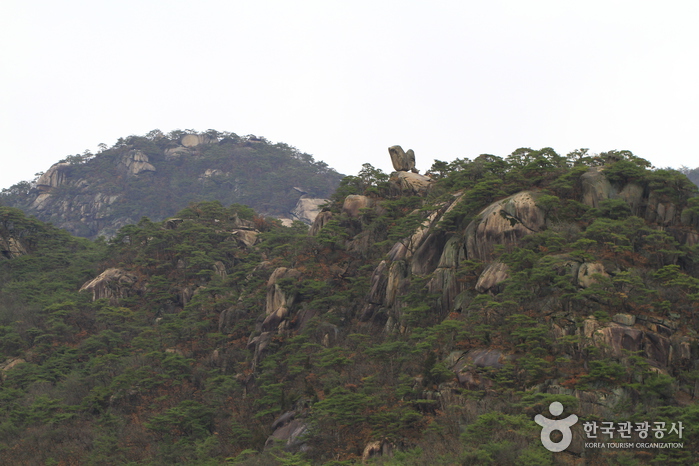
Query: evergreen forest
[[406, 326], [158, 174]]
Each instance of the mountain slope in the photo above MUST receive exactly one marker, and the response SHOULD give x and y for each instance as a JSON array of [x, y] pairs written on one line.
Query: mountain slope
[[157, 175], [421, 320]]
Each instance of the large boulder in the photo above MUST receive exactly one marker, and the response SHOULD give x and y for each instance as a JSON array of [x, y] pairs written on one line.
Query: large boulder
[[307, 209], [276, 297], [113, 284], [410, 183], [596, 187], [615, 340], [632, 193], [321, 220], [193, 140], [402, 161], [172, 153], [135, 162], [663, 213], [246, 238], [354, 203], [503, 222], [588, 273]]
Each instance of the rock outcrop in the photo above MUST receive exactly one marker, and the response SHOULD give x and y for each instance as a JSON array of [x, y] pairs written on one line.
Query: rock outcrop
[[8, 365], [246, 238], [11, 247], [503, 223], [307, 209], [494, 274], [321, 220], [406, 179], [596, 187], [376, 449], [194, 140], [113, 284], [354, 204], [53, 178], [278, 301], [402, 161], [588, 273], [135, 162], [410, 183], [288, 431]]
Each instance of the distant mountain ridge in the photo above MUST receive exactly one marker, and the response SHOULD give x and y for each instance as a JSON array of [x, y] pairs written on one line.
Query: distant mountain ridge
[[158, 174]]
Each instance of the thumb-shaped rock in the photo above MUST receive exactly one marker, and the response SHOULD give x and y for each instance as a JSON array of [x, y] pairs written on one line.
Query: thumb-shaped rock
[[402, 161]]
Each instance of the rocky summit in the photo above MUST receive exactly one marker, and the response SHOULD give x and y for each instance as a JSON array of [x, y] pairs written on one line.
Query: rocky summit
[[157, 175]]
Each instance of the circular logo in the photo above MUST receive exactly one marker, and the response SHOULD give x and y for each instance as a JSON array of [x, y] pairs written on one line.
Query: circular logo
[[551, 425]]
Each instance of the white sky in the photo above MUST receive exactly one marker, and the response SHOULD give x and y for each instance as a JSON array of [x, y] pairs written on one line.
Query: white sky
[[344, 80]]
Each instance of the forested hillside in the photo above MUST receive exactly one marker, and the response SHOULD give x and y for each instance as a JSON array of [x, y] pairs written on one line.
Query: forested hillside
[[420, 320], [158, 174]]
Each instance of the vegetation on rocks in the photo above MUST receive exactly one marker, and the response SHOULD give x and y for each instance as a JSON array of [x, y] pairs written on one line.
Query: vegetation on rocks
[[158, 174], [400, 329]]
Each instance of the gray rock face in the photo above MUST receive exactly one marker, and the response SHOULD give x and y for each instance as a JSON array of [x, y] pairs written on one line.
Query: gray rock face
[[504, 222], [464, 366], [587, 271], [307, 209], [624, 319], [354, 203], [410, 183], [193, 140], [278, 301], [632, 193], [494, 274], [402, 161], [397, 282], [53, 178], [246, 238], [664, 213], [11, 247], [113, 284], [289, 432], [377, 449], [135, 162], [173, 153], [596, 187], [321, 220]]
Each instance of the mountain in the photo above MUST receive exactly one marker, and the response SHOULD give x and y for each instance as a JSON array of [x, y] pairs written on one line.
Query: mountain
[[422, 319], [157, 175], [692, 174]]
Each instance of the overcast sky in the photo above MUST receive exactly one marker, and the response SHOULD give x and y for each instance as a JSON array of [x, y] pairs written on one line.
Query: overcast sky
[[344, 80]]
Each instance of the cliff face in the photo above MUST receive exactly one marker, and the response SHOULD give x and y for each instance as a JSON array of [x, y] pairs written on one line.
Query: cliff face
[[157, 176]]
